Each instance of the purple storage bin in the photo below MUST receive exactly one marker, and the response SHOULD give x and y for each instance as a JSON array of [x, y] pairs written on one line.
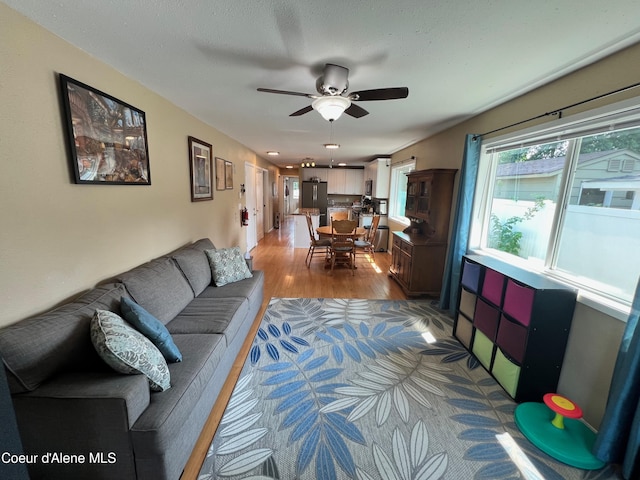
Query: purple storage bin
[[518, 302], [471, 275], [512, 338], [486, 319], [492, 286]]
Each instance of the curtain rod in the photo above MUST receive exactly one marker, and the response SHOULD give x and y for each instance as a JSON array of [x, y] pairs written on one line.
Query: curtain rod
[[558, 111]]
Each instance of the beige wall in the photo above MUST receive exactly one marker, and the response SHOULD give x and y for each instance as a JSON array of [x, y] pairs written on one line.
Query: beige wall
[[595, 337], [57, 238]]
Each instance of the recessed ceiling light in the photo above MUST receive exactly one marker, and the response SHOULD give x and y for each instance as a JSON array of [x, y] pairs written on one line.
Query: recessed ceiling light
[[289, 166], [273, 154], [331, 145], [342, 164]]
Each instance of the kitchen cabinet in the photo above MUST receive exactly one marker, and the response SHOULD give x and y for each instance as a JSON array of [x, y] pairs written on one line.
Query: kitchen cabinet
[[378, 171], [354, 183], [336, 180], [516, 323], [417, 264], [340, 181], [311, 172]]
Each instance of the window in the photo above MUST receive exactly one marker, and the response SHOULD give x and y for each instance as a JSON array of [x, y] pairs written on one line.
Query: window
[[556, 200], [398, 192]]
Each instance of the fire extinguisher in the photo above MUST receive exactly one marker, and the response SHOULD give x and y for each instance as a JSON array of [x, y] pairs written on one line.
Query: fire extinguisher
[[244, 217]]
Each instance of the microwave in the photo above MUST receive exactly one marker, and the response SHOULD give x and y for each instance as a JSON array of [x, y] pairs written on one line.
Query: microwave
[[368, 188]]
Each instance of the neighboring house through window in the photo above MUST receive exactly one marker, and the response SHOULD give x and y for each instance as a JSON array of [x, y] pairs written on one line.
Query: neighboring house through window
[[565, 199]]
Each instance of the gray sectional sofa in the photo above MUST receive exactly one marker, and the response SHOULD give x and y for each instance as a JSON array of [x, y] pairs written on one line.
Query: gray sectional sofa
[[68, 401]]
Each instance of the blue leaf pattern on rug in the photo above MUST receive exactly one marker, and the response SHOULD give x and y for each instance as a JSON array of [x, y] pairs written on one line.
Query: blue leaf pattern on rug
[[344, 388]]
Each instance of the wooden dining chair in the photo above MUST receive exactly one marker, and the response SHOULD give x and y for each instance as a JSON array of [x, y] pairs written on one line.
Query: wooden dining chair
[[322, 243], [343, 248], [339, 216], [368, 243]]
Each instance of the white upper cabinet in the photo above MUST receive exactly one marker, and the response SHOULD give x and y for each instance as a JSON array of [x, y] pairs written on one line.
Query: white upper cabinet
[[354, 181], [378, 171], [336, 179]]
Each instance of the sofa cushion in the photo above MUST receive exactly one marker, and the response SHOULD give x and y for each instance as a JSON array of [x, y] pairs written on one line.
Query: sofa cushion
[[159, 287], [151, 328], [36, 348], [203, 244], [247, 288], [195, 267], [162, 421], [227, 265], [127, 350], [212, 315]]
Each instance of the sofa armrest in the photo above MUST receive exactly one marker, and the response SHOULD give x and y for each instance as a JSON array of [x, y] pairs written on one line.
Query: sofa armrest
[[86, 414]]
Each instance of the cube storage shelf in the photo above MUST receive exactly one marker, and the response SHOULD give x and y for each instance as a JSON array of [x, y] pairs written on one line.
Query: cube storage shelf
[[516, 323]]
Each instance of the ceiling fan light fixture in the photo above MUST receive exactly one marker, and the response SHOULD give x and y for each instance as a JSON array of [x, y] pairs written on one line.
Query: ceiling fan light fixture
[[331, 107]]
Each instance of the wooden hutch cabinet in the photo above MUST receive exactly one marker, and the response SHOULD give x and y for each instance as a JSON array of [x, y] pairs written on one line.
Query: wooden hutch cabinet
[[418, 253]]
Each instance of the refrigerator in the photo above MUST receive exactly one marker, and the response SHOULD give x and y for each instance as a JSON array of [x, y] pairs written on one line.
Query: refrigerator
[[314, 195]]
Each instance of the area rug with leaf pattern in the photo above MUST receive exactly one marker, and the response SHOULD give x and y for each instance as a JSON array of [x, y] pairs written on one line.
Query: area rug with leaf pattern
[[369, 389]]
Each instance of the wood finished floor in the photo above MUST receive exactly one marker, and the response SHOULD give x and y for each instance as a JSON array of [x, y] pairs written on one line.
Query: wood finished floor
[[287, 276]]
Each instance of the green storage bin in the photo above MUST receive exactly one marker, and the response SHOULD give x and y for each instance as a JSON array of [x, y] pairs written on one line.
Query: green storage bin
[[506, 373], [483, 349], [464, 330]]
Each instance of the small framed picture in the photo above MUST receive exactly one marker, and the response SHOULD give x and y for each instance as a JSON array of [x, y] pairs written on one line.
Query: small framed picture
[[200, 169], [107, 137], [228, 175], [220, 174]]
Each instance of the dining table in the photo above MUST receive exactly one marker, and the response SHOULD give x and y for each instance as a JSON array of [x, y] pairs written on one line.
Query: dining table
[[327, 231]]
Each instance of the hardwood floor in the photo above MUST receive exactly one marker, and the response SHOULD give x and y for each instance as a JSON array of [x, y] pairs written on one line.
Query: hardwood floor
[[287, 276]]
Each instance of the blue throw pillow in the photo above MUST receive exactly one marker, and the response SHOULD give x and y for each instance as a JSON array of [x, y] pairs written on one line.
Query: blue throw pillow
[[150, 327]]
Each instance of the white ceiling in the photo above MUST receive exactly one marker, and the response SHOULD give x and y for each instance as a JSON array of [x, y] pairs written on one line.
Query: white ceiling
[[458, 58]]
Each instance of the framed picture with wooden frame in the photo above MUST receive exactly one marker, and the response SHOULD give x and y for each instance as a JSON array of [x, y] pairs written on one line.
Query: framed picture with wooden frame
[[200, 170], [107, 138], [228, 175], [220, 174]]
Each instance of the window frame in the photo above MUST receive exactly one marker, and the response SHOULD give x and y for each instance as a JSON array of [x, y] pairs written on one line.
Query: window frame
[[399, 168], [619, 115]]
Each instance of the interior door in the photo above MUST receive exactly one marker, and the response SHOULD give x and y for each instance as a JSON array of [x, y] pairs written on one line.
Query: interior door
[[250, 198], [260, 204]]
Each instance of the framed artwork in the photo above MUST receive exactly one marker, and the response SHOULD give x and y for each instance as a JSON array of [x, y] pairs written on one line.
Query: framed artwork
[[228, 175], [220, 174], [107, 138], [200, 170]]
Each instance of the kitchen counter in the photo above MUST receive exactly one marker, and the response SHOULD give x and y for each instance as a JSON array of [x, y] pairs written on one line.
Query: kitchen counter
[[300, 230], [304, 211]]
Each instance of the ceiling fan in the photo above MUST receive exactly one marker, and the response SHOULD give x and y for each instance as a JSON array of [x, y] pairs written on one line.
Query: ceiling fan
[[332, 101]]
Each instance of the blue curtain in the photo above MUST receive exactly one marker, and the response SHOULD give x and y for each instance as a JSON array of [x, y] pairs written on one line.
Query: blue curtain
[[461, 222], [618, 440]]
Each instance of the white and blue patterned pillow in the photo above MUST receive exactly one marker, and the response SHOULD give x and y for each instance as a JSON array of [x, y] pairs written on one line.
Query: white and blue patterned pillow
[[128, 351], [227, 265]]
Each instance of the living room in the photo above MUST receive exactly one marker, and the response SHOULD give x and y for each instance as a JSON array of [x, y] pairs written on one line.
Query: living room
[[66, 238]]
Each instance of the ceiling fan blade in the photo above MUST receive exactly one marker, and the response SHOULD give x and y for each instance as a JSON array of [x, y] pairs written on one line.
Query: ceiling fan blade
[[302, 111], [286, 92], [356, 111], [380, 94]]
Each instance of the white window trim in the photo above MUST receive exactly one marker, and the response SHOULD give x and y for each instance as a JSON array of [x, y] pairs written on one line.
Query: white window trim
[[616, 114], [393, 193]]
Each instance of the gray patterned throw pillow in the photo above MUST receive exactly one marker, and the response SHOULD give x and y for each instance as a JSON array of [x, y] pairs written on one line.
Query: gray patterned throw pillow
[[127, 350], [227, 265]]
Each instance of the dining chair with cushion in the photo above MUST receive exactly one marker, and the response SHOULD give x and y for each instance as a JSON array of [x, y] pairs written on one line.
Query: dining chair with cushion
[[343, 248], [367, 244], [323, 243]]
